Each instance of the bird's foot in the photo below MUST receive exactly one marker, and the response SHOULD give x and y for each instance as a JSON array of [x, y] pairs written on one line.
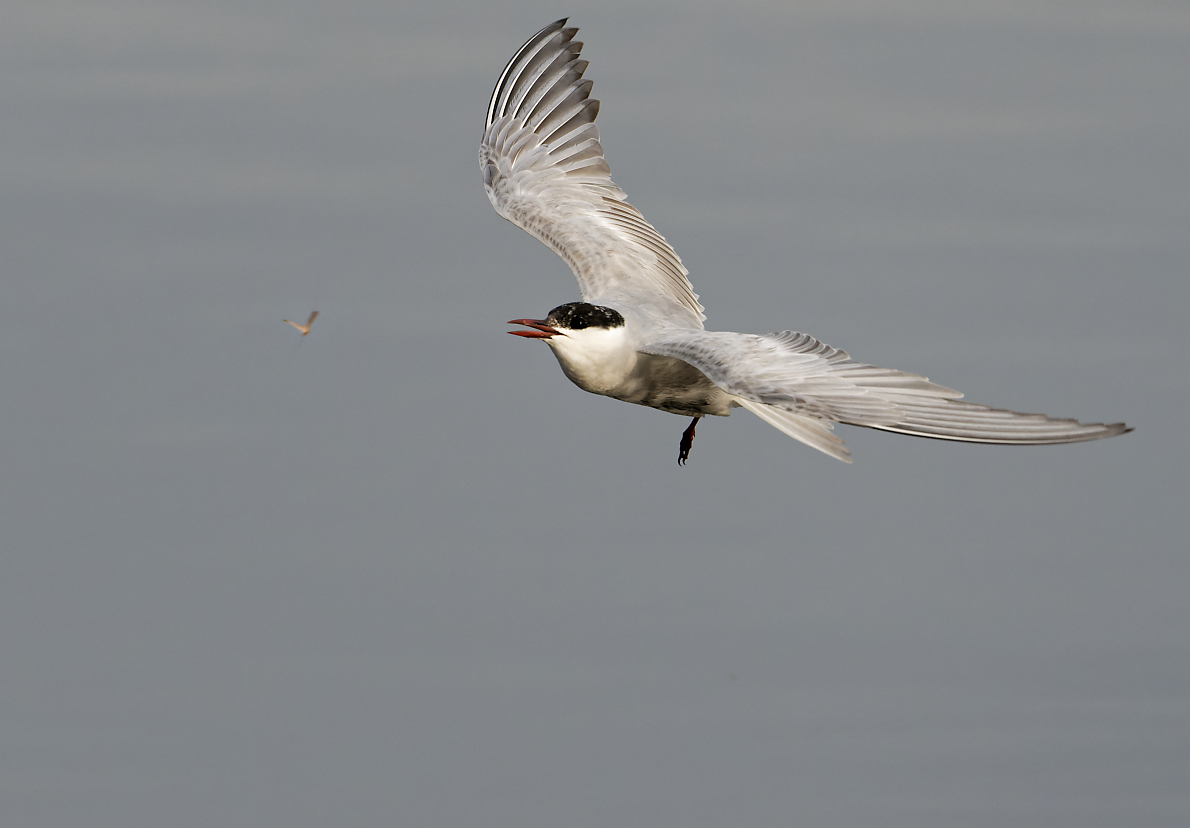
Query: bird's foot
[[687, 442]]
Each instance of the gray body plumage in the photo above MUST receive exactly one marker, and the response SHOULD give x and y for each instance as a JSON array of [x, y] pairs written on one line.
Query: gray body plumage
[[544, 170]]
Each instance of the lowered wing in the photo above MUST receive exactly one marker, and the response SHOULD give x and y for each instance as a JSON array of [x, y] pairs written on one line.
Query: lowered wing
[[801, 386]]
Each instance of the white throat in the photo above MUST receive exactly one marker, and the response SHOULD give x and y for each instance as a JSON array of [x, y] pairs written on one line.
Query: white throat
[[598, 360]]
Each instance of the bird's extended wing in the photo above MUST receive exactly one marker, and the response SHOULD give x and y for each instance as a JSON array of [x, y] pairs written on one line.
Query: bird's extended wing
[[800, 385], [543, 170]]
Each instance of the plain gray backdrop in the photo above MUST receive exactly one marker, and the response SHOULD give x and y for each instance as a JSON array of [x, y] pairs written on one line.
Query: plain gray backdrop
[[402, 572]]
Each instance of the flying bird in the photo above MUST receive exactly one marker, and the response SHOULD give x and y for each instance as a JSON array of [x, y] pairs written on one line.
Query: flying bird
[[637, 335], [305, 329]]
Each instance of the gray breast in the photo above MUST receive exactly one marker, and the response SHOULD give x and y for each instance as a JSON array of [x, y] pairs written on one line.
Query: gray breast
[[675, 386]]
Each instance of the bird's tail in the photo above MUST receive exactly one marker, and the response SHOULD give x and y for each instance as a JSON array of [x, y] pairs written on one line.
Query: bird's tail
[[813, 432]]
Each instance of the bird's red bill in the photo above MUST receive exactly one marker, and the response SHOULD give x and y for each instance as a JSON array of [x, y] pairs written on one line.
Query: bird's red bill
[[540, 329]]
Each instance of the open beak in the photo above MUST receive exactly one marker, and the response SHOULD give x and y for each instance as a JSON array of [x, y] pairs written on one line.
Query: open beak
[[540, 329]]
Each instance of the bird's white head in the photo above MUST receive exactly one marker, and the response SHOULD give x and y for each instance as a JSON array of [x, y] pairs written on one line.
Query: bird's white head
[[589, 341]]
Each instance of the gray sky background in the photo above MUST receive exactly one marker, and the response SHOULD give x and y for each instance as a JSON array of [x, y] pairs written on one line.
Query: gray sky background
[[404, 573]]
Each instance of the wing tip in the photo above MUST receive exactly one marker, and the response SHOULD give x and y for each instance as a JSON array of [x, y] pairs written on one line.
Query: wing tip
[[541, 34], [995, 437]]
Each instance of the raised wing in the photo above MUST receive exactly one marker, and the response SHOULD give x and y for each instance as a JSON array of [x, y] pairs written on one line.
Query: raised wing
[[543, 170], [800, 385]]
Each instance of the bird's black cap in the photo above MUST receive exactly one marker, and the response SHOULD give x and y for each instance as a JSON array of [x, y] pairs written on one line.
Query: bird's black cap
[[574, 316]]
